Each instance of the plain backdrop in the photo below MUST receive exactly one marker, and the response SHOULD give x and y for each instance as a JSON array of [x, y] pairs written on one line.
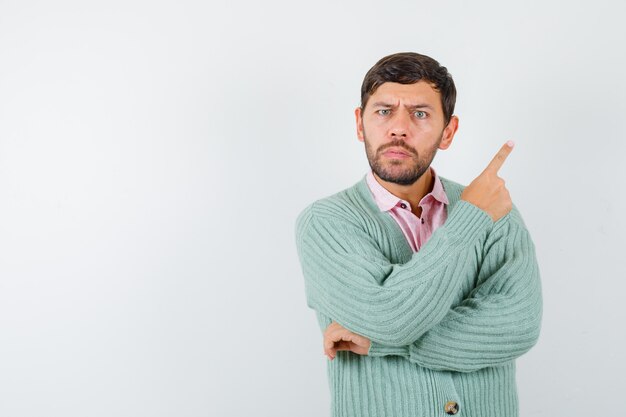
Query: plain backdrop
[[154, 156]]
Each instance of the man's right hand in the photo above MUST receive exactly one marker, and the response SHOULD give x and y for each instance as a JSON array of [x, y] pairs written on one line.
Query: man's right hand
[[487, 191], [337, 337]]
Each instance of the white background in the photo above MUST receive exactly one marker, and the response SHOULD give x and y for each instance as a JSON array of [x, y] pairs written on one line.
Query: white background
[[154, 156]]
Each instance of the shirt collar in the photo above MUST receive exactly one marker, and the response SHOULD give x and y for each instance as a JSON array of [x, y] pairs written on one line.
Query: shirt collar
[[438, 191], [386, 201]]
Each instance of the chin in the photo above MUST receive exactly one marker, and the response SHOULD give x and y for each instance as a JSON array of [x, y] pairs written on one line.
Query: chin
[[404, 178]]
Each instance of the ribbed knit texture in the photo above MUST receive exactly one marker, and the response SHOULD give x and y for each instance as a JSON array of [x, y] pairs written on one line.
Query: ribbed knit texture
[[446, 323]]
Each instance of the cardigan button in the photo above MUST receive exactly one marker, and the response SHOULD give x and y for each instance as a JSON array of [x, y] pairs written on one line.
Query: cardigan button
[[403, 205], [451, 408]]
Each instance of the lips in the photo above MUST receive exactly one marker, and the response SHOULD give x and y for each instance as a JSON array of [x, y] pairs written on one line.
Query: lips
[[396, 153]]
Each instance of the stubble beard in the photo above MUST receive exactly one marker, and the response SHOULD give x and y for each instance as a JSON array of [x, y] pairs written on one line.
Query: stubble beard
[[391, 170]]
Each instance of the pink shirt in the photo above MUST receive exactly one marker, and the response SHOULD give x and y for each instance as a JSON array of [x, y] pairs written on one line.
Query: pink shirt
[[416, 230]]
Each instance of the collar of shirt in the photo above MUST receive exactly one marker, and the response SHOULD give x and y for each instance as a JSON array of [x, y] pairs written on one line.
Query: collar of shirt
[[386, 201]]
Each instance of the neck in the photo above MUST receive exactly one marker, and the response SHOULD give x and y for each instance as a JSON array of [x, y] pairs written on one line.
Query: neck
[[412, 193]]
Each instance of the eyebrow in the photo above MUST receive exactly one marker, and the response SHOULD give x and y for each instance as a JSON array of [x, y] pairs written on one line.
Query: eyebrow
[[411, 106]]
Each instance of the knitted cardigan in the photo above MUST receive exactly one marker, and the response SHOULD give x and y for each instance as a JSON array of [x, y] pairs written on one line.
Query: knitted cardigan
[[446, 323]]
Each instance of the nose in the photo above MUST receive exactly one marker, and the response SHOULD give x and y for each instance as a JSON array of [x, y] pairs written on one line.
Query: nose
[[399, 126]]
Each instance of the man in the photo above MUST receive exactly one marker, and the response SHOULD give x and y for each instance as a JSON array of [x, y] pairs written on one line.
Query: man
[[426, 291]]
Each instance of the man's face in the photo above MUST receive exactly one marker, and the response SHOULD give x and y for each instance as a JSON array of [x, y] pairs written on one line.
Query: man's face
[[402, 126]]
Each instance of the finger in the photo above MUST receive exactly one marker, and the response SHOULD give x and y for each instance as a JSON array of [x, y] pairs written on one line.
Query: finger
[[334, 337], [332, 352], [331, 337], [333, 328], [343, 346], [336, 334], [328, 345], [498, 160], [328, 351], [358, 339], [330, 348], [329, 333]]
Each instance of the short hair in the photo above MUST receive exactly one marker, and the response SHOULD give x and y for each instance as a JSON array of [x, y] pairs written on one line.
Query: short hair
[[409, 68]]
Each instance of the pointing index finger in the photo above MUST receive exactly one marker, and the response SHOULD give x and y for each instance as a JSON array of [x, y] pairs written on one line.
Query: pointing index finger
[[498, 160]]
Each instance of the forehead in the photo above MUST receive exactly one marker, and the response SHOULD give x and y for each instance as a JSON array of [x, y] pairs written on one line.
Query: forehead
[[420, 92]]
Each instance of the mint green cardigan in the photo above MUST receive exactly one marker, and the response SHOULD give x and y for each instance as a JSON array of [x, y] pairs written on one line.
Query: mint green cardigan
[[446, 323]]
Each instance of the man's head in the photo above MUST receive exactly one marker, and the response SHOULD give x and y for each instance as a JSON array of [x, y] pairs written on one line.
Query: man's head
[[409, 68], [406, 114]]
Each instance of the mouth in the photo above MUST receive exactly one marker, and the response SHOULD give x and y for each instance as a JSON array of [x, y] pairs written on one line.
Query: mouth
[[397, 153]]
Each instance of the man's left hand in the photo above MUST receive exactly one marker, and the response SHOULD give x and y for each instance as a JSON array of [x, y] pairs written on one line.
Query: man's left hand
[[337, 337]]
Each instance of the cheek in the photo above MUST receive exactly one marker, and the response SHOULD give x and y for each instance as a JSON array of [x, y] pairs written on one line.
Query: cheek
[[375, 123], [425, 127], [374, 130]]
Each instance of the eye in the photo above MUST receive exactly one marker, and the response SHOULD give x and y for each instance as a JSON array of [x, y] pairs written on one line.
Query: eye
[[384, 112], [420, 114]]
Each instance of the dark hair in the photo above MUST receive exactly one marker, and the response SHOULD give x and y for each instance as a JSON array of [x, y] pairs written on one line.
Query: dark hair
[[409, 68]]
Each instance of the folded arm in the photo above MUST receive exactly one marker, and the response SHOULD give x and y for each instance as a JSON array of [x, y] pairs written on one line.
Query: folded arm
[[498, 322], [348, 278]]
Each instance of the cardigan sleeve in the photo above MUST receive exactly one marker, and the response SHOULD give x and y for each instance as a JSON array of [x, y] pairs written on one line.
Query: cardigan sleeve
[[348, 279], [499, 321]]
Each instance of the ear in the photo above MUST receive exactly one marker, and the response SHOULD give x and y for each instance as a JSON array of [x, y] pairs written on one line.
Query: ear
[[358, 114], [448, 133]]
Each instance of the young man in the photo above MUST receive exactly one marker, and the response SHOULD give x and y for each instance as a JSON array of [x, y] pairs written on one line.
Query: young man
[[426, 291]]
